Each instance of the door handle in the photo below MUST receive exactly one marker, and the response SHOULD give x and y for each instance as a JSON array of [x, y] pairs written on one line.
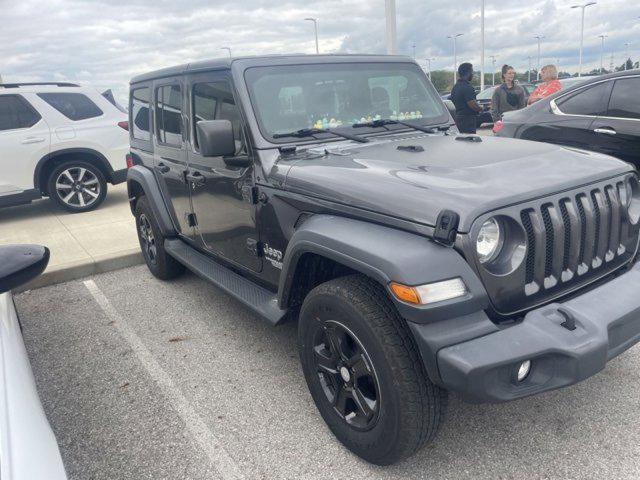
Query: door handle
[[162, 168], [29, 140], [606, 131], [196, 178]]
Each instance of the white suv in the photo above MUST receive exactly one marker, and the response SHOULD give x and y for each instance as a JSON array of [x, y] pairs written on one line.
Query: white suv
[[62, 141]]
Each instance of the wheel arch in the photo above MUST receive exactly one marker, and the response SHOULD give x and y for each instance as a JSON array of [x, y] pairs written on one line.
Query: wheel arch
[[46, 164], [141, 181], [381, 253]]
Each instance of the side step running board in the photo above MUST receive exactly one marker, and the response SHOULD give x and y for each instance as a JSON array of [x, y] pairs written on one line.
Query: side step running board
[[257, 298]]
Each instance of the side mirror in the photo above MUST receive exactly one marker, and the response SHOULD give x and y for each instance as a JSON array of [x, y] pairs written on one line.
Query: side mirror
[[21, 263], [215, 138]]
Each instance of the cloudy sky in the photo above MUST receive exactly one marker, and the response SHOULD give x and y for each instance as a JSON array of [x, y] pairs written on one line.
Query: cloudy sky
[[106, 42]]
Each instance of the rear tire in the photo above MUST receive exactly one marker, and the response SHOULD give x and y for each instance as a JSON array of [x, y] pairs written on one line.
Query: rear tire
[[160, 263], [77, 186], [352, 317]]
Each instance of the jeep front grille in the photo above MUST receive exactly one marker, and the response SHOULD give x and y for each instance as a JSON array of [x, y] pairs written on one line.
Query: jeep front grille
[[572, 239]]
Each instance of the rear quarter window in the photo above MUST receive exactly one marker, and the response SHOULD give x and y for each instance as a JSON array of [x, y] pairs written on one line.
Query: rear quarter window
[[74, 106], [140, 98]]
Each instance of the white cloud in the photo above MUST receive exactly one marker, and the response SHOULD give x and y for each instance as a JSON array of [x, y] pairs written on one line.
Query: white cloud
[[106, 42]]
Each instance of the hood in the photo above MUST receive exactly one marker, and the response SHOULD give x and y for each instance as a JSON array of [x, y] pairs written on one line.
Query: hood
[[440, 172]]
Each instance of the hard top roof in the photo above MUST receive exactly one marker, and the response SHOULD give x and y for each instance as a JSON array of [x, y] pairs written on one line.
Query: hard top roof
[[265, 60]]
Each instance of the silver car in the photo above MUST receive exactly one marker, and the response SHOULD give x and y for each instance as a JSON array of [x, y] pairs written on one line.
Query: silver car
[[28, 448]]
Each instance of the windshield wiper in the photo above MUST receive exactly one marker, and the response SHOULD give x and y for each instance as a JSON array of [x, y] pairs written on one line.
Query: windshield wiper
[[309, 132], [387, 121]]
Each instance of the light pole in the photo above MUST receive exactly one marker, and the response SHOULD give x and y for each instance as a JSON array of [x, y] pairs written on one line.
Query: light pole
[[414, 50], [481, 45], [583, 7], [539, 37], [390, 13], [315, 27], [627, 55], [602, 37], [493, 69], [529, 72], [455, 56], [227, 49], [429, 66]]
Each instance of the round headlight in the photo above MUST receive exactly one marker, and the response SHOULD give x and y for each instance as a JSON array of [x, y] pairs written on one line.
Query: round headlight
[[489, 240]]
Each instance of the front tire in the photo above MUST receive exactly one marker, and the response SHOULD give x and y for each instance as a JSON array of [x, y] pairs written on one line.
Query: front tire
[[364, 371], [77, 186], [160, 263]]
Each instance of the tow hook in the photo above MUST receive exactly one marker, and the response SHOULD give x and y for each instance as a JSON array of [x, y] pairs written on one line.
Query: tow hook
[[569, 320]]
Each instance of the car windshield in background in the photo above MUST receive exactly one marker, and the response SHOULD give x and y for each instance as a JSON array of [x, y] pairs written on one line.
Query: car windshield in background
[[486, 94], [292, 98]]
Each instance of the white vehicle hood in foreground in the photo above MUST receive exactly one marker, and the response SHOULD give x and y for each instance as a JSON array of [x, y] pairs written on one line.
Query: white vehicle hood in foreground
[[28, 448]]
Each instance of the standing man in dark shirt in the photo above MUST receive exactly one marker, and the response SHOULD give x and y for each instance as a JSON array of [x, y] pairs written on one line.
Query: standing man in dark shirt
[[463, 97]]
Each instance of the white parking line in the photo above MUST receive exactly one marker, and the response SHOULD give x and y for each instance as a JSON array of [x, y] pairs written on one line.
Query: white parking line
[[197, 428]]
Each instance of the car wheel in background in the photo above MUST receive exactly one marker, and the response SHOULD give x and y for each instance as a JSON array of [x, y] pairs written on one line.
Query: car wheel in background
[[77, 186], [160, 263], [364, 371]]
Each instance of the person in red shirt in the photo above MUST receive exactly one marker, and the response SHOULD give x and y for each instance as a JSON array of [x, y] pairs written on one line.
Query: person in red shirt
[[550, 84]]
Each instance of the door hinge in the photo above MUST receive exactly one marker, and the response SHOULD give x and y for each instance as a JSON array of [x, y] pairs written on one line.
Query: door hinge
[[250, 194], [192, 220], [254, 246]]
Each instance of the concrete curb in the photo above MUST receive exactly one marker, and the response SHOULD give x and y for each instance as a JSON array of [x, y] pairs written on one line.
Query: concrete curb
[[84, 268]]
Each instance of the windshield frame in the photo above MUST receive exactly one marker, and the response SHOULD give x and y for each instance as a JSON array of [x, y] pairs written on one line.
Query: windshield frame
[[444, 118]]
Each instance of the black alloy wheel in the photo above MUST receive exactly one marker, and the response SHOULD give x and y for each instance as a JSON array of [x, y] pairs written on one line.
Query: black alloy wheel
[[346, 374]]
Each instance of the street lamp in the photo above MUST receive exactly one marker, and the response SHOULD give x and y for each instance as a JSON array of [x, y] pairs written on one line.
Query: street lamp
[[583, 7], [455, 55], [481, 45], [227, 49], [493, 69], [390, 13], [315, 26], [602, 37], [627, 55], [539, 37], [429, 66]]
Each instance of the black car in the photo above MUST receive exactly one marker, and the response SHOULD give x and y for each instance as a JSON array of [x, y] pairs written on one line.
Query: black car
[[414, 260], [600, 114]]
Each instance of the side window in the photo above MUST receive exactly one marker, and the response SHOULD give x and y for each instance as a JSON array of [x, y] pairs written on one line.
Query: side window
[[16, 112], [169, 114], [140, 113], [625, 102], [74, 106], [214, 101], [590, 101]]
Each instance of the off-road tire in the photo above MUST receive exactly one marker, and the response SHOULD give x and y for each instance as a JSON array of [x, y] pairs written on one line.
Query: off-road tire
[[161, 264], [411, 407], [94, 195]]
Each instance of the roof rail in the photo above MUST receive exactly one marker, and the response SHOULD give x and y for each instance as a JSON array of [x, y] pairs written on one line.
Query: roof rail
[[26, 84]]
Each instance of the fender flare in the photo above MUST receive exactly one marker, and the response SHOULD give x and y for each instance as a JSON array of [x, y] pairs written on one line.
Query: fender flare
[[144, 177], [385, 254], [41, 163]]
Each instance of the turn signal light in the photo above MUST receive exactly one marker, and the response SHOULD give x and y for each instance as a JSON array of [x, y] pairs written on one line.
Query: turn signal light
[[499, 125], [430, 292], [130, 162]]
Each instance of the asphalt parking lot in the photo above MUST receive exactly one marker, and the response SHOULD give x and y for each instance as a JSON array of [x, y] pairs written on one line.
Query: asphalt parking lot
[[143, 379]]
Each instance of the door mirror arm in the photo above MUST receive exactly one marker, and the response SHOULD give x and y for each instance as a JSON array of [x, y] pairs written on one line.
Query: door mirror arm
[[237, 161]]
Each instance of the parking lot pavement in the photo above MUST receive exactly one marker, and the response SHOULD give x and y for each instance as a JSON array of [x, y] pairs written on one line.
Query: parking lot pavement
[[81, 243], [165, 380]]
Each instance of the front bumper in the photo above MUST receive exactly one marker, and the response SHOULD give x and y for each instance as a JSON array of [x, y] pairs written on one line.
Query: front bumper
[[607, 322]]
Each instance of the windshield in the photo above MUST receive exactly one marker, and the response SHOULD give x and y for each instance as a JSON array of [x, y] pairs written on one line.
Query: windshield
[[320, 96]]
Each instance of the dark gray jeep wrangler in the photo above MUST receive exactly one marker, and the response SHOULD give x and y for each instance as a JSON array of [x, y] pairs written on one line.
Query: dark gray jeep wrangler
[[335, 190]]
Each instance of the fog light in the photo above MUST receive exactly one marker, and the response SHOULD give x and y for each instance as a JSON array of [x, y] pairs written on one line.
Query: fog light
[[524, 369]]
